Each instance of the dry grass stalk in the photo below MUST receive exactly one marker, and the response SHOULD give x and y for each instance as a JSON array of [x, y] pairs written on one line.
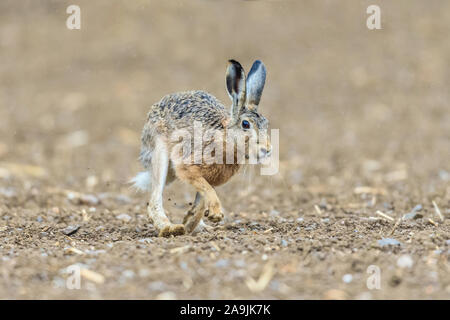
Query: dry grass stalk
[[395, 226], [317, 209], [384, 215], [438, 211]]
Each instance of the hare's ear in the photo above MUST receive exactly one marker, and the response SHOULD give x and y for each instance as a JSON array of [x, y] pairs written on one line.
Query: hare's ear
[[236, 87], [255, 83]]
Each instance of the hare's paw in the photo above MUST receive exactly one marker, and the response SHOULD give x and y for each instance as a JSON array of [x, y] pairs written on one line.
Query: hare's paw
[[214, 212], [215, 217], [172, 230]]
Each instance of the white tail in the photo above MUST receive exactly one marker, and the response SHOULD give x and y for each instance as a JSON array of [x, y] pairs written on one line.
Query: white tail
[[142, 181]]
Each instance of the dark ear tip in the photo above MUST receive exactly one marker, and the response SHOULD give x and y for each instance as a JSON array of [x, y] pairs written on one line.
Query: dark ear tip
[[257, 64], [235, 63]]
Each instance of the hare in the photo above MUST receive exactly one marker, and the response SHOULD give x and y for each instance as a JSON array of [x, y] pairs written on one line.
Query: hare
[[179, 111]]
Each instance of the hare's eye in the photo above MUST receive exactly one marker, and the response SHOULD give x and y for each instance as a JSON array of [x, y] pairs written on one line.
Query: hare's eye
[[245, 124]]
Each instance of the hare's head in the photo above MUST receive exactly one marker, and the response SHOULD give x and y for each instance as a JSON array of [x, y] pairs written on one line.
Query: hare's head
[[246, 121]]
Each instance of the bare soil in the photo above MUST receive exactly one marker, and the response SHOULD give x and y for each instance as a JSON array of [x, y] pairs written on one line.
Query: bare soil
[[364, 127]]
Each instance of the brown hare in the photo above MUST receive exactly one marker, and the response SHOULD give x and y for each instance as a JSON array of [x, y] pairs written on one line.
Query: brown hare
[[179, 111]]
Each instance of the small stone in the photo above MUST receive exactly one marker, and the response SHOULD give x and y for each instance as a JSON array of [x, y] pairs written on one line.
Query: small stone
[[124, 217], [388, 242], [347, 278], [405, 261], [414, 214], [284, 243], [89, 199], [70, 230]]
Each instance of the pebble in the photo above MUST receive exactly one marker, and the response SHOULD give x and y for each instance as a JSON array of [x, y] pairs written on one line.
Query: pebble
[[87, 199], [388, 241], [284, 243], [347, 278], [124, 217], [70, 230], [414, 214], [405, 261]]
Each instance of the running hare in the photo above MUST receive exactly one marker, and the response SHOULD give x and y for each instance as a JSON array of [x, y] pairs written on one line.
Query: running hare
[[179, 111]]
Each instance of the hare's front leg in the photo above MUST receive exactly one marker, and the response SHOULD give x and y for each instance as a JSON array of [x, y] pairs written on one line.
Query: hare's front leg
[[193, 220], [159, 168], [212, 207]]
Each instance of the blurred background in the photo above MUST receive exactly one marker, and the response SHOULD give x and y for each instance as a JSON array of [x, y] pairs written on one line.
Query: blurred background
[[354, 106]]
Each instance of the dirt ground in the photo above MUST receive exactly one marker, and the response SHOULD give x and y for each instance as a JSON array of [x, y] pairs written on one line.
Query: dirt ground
[[364, 127]]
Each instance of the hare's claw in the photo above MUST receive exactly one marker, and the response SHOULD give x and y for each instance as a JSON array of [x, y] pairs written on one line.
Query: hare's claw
[[172, 230]]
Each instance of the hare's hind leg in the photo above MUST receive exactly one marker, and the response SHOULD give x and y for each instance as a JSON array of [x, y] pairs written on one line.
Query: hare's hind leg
[[159, 169]]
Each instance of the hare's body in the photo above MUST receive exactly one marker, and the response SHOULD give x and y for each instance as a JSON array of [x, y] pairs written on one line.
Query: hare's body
[[179, 111], [175, 112]]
